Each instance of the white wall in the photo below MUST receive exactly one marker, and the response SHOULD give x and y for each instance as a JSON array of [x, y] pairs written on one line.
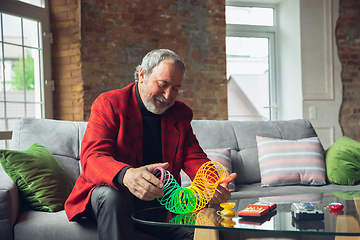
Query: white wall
[[321, 68], [310, 69], [289, 61]]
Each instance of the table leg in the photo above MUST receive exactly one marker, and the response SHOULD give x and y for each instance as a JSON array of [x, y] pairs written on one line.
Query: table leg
[[208, 234], [347, 224]]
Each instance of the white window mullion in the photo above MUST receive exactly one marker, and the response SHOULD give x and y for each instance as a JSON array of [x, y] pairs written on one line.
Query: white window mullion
[[272, 79]]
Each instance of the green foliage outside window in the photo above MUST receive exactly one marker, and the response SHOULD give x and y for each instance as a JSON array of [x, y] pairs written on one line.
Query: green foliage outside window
[[17, 82]]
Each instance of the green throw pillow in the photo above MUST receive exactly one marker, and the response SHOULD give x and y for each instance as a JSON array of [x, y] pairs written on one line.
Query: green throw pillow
[[41, 179], [343, 162], [347, 195]]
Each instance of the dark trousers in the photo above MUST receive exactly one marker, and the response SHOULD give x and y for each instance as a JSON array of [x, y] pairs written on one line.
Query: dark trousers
[[112, 210]]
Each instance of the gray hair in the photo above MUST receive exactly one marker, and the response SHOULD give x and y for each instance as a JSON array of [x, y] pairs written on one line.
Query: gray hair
[[154, 58]]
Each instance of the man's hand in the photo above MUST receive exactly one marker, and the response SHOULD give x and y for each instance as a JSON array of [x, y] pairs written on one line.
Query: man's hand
[[142, 183], [222, 193]]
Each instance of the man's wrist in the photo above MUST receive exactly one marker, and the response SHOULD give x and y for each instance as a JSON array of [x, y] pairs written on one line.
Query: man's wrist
[[120, 176]]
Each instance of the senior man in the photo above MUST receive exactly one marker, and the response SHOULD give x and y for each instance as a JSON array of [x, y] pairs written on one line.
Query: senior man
[[130, 132]]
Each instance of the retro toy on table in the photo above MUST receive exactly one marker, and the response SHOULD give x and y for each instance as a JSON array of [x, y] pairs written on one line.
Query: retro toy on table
[[257, 209]]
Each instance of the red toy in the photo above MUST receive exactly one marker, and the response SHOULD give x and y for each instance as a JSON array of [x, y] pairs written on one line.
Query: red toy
[[336, 206], [336, 212], [257, 209]]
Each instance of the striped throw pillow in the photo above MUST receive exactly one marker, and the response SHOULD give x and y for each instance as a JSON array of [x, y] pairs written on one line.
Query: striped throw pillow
[[291, 162], [221, 155]]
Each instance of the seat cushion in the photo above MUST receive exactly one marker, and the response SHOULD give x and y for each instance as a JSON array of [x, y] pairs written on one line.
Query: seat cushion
[[44, 225], [55, 226]]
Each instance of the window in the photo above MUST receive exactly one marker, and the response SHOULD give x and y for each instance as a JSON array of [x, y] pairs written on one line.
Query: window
[[250, 57], [38, 3], [250, 16], [22, 69]]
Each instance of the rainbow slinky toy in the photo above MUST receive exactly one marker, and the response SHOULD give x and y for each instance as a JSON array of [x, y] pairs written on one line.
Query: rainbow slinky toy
[[195, 197]]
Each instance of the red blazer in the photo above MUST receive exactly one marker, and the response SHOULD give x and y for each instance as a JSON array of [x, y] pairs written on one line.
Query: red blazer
[[114, 139]]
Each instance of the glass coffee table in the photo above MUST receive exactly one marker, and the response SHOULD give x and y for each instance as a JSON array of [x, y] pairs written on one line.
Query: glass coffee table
[[343, 222]]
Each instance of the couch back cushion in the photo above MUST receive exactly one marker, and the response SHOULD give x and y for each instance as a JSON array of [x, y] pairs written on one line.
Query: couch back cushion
[[61, 138], [240, 136]]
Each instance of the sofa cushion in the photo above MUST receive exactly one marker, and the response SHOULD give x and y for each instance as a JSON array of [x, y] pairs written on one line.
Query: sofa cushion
[[55, 226], [61, 138], [9, 205], [343, 162], [240, 136], [43, 226], [347, 195], [41, 179], [221, 155], [289, 162]]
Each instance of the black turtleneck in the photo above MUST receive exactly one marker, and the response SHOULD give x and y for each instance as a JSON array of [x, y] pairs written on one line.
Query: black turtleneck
[[152, 150]]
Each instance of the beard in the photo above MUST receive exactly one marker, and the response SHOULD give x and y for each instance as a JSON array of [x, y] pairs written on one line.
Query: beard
[[150, 102]]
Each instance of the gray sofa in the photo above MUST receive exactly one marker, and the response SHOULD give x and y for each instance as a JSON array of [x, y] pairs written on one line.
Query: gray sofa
[[63, 139]]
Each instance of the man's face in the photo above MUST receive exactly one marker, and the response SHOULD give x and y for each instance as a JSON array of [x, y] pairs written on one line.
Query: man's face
[[159, 90]]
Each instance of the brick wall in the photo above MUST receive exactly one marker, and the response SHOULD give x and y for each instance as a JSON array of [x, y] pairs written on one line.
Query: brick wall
[[65, 21], [116, 34], [348, 41]]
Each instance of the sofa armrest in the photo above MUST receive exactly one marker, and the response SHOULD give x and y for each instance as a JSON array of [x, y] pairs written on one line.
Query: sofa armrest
[[9, 205]]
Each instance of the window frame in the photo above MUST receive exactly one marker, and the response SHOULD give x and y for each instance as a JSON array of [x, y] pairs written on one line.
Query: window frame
[[270, 32], [42, 15]]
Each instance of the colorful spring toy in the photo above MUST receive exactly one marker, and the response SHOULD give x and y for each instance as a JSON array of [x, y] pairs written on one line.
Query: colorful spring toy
[[195, 197]]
